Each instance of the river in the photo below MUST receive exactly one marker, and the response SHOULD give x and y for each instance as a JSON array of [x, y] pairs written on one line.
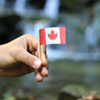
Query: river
[[61, 73]]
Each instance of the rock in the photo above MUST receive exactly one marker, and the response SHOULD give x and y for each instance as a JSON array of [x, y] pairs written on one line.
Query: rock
[[73, 92]]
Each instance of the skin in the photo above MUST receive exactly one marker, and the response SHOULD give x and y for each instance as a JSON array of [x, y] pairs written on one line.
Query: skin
[[21, 56]]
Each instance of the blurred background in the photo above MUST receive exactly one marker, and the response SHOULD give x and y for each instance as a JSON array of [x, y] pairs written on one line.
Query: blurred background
[[74, 68]]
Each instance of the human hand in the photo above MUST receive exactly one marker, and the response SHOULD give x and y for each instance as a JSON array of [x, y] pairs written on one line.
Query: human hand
[[21, 56]]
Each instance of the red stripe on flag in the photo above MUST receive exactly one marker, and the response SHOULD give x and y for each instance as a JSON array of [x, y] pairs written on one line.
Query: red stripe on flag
[[62, 35], [42, 36]]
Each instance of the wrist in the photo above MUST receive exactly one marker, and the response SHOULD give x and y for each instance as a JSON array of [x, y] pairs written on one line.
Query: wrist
[[4, 56]]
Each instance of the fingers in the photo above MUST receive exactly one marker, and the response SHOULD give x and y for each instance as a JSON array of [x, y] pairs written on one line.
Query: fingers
[[33, 44], [44, 70], [27, 58], [38, 76], [43, 53]]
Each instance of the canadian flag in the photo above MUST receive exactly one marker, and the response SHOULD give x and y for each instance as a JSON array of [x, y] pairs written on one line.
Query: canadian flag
[[53, 35]]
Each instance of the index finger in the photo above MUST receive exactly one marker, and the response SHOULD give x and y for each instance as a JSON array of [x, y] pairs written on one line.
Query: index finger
[[32, 42]]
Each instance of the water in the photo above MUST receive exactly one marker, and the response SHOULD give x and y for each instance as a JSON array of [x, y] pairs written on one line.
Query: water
[[2, 3], [51, 8], [19, 6], [61, 73]]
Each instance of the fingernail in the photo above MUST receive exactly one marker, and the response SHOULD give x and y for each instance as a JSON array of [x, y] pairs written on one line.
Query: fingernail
[[37, 64], [41, 77], [46, 71]]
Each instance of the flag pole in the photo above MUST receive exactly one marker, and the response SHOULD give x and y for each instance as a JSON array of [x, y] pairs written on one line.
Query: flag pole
[[40, 47]]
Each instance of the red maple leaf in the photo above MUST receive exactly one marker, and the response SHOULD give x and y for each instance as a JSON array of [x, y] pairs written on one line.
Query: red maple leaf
[[53, 35]]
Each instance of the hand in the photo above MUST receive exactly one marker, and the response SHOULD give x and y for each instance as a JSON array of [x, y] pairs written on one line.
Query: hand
[[21, 56]]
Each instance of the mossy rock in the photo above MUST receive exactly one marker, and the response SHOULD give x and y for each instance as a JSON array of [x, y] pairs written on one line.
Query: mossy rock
[[73, 92]]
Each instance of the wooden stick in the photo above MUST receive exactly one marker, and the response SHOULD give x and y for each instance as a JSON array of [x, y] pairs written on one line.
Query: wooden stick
[[40, 48]]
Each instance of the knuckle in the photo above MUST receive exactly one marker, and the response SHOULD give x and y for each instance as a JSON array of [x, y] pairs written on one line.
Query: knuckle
[[29, 35]]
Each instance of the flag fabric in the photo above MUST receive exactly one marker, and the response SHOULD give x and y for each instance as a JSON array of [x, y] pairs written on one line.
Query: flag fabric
[[53, 35]]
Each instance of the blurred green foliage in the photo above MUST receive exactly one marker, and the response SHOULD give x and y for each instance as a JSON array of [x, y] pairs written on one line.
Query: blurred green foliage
[[76, 5]]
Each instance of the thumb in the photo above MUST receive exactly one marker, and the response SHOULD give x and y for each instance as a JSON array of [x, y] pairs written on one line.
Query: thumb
[[28, 59]]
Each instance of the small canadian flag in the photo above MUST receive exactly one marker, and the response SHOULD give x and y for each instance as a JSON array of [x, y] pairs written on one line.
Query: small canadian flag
[[53, 35]]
